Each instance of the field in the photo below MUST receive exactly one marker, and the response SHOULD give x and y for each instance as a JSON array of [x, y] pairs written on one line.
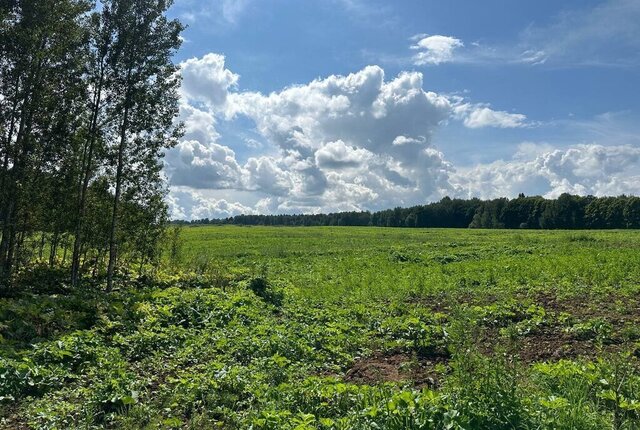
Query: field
[[337, 328]]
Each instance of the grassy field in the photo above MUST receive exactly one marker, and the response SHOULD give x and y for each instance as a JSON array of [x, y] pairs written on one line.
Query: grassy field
[[338, 328]]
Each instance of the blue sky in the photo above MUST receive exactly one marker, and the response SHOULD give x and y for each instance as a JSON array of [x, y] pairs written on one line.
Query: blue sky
[[321, 105]]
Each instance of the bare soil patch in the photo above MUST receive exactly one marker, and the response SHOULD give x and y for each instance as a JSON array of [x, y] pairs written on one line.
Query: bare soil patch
[[397, 367], [614, 309], [12, 420], [553, 344]]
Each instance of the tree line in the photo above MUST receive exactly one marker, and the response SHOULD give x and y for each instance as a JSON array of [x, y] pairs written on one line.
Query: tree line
[[88, 102], [535, 212]]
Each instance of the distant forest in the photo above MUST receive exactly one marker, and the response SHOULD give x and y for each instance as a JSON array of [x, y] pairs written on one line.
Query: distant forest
[[565, 212]]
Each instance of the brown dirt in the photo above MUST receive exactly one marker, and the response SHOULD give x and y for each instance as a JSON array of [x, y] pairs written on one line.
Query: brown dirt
[[611, 307], [396, 367], [553, 344], [12, 420], [550, 343], [160, 380], [614, 309]]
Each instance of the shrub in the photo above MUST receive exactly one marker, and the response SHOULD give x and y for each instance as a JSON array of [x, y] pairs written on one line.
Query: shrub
[[262, 288]]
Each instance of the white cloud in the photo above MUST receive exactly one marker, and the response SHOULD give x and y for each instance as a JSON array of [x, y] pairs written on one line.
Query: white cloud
[[480, 117], [337, 155], [232, 9], [360, 109], [253, 143], [198, 161], [435, 49], [199, 124], [603, 35], [217, 13], [264, 174], [339, 133], [190, 205], [534, 57], [536, 169], [404, 140], [580, 169], [201, 166], [206, 80], [343, 142], [357, 142]]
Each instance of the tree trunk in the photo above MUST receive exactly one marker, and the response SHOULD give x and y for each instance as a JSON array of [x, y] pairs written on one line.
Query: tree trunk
[[22, 235], [5, 162], [7, 243], [64, 253], [141, 267], [4, 242], [113, 245], [84, 185], [54, 249], [41, 248], [98, 262], [9, 206]]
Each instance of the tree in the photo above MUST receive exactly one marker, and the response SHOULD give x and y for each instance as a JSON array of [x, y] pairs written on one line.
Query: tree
[[144, 102], [99, 44], [87, 107], [489, 214], [40, 81], [632, 212]]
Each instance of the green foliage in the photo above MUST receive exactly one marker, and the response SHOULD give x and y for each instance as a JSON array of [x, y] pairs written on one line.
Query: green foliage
[[321, 329], [598, 329], [89, 102], [262, 288]]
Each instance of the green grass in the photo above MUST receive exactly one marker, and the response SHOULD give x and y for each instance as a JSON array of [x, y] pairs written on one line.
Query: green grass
[[339, 328], [378, 263]]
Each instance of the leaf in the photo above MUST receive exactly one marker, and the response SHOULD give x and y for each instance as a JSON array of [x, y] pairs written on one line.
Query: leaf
[[128, 400], [327, 422], [608, 395], [172, 422]]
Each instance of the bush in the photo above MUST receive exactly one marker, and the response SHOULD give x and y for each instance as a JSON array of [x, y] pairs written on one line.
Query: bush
[[262, 288]]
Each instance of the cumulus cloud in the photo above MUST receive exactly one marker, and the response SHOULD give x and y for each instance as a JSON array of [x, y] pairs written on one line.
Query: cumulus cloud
[[536, 169], [351, 133], [404, 140], [199, 124], [357, 142], [581, 169], [198, 161], [264, 174], [360, 109], [189, 205], [337, 155], [206, 80], [211, 166], [482, 116], [435, 49]]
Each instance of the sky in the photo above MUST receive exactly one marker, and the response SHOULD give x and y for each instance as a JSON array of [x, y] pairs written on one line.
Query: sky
[[316, 106]]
